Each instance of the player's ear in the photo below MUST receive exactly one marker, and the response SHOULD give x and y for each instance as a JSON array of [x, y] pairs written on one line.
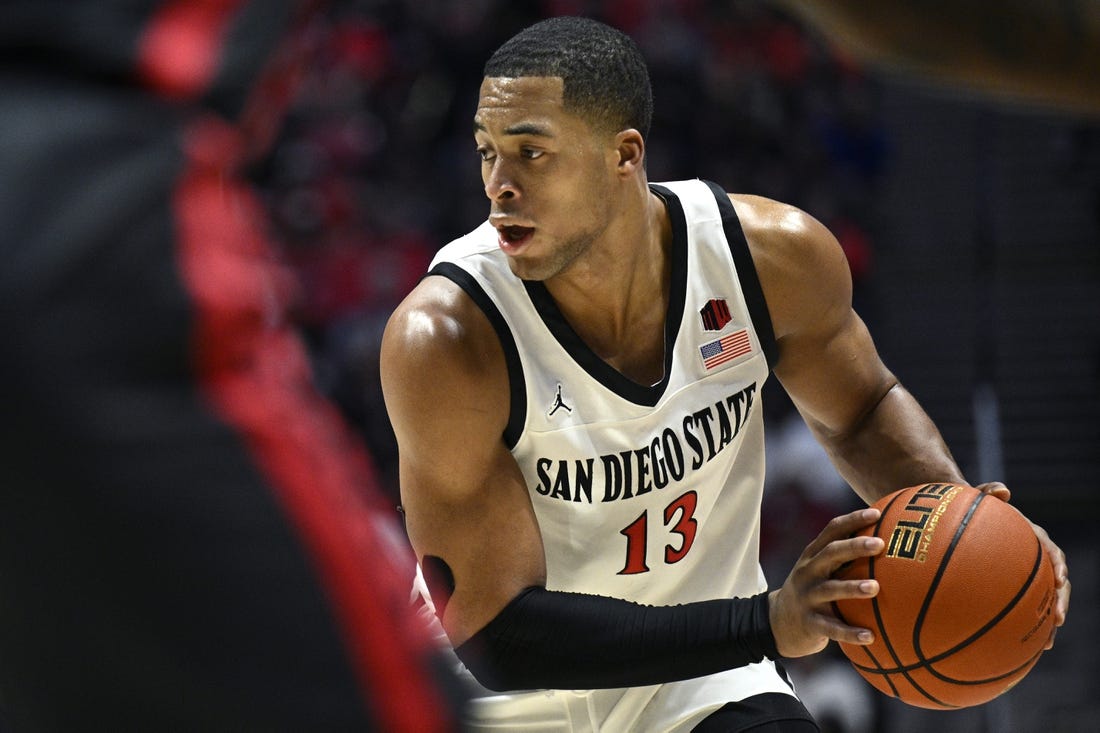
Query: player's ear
[[630, 149]]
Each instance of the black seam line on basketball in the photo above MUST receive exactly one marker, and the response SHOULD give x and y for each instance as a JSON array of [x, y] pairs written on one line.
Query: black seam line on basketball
[[878, 666], [887, 672], [922, 614], [893, 688], [927, 663], [836, 610], [886, 637], [882, 629], [993, 622]]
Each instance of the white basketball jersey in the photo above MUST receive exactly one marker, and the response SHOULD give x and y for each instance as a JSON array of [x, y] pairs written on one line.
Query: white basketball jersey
[[647, 493]]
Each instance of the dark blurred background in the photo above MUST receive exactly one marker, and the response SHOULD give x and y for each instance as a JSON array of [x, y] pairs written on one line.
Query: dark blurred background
[[970, 217]]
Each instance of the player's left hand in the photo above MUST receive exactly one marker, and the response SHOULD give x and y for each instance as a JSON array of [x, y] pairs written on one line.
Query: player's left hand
[[1057, 558]]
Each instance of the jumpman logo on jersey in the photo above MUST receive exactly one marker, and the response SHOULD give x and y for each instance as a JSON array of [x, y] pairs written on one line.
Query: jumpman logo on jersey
[[559, 404]]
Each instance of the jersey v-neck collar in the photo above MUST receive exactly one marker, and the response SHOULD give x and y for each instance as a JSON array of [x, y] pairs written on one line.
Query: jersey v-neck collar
[[596, 367]]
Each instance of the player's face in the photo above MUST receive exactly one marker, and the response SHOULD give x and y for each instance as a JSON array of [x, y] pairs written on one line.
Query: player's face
[[547, 174]]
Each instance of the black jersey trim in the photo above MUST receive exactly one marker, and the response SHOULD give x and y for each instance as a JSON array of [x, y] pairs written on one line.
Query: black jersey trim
[[517, 385], [596, 367], [746, 273]]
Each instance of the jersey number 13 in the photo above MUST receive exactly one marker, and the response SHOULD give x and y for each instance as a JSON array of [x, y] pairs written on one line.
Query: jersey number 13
[[679, 519]]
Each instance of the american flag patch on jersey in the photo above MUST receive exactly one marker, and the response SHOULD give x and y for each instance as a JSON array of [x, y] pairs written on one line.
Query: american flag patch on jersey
[[725, 349]]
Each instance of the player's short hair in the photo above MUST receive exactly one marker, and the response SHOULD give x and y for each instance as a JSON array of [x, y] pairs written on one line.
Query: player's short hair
[[605, 77]]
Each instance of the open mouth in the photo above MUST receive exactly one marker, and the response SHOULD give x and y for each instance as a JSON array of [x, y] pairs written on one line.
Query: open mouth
[[515, 235]]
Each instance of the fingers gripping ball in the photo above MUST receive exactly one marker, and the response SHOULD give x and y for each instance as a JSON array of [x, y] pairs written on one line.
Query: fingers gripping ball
[[966, 598]]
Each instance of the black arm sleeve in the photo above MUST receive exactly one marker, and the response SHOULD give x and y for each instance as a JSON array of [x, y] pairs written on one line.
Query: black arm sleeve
[[555, 640]]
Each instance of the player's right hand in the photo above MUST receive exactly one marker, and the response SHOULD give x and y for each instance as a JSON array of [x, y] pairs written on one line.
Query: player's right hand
[[800, 611]]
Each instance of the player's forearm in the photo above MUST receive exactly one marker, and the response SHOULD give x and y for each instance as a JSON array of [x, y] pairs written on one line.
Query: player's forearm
[[893, 446], [556, 640]]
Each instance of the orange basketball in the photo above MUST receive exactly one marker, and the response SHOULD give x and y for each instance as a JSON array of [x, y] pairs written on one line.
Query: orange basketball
[[966, 598]]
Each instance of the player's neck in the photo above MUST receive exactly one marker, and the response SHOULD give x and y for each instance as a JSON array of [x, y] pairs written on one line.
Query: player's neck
[[616, 298]]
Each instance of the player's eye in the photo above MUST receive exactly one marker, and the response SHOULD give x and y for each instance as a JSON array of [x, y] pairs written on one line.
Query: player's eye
[[484, 153], [531, 153]]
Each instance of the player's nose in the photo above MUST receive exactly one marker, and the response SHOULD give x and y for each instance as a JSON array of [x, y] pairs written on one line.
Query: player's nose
[[500, 184]]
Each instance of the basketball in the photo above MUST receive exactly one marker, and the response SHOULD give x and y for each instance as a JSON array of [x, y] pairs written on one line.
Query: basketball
[[966, 598]]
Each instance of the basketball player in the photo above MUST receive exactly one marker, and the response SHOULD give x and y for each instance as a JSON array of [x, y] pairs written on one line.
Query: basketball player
[[189, 540], [575, 390]]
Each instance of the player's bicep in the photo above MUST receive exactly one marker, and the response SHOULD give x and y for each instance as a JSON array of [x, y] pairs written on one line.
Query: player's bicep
[[446, 389], [465, 499], [827, 361], [834, 377], [478, 551]]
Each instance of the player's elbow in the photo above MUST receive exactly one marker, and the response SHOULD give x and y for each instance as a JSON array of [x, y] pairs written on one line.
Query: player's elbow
[[492, 671]]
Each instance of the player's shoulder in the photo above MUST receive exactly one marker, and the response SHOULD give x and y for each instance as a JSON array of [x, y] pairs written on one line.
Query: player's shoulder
[[439, 329], [784, 237], [801, 266], [438, 311], [438, 322], [772, 224]]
